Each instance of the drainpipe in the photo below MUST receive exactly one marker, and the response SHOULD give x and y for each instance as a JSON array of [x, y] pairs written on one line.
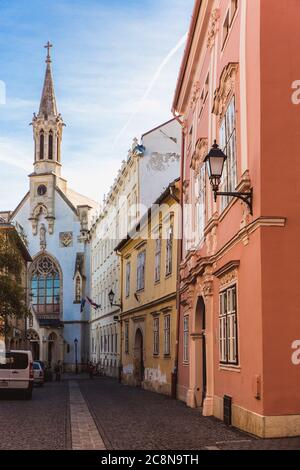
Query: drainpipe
[[179, 258]]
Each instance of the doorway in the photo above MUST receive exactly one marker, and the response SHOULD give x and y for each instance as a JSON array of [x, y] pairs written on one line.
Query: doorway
[[200, 345], [52, 349]]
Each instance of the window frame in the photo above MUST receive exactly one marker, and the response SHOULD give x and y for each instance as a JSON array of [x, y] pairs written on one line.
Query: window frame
[[127, 279], [157, 266], [156, 336], [228, 327], [228, 144], [167, 334], [126, 337], [186, 328], [141, 271], [169, 250]]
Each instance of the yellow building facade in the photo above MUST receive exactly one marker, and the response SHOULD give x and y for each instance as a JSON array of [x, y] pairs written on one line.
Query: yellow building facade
[[149, 314]]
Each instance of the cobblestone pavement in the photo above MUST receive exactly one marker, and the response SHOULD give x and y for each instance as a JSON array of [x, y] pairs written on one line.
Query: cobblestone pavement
[[41, 423], [131, 418], [102, 413], [85, 435]]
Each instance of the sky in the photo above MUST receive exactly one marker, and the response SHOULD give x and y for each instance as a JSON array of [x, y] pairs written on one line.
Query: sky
[[115, 65]]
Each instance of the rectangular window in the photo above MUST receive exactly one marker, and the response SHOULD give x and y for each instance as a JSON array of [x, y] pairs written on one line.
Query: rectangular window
[[127, 337], [167, 333], [157, 259], [169, 251], [228, 145], [200, 202], [228, 346], [141, 259], [127, 285], [155, 336], [186, 338]]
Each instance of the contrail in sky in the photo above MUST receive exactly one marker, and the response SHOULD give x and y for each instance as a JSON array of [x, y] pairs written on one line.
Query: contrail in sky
[[151, 84]]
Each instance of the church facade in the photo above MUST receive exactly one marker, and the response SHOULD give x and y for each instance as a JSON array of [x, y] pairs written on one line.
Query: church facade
[[56, 221]]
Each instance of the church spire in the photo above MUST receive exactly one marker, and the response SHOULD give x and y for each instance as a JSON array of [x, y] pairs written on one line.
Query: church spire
[[47, 127], [48, 101]]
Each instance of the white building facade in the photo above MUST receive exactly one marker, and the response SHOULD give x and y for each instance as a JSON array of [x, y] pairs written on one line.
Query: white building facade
[[148, 170], [105, 265], [56, 222]]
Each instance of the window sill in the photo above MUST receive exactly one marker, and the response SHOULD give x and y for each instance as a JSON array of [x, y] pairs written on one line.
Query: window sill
[[156, 356], [167, 356], [185, 363], [167, 276], [77, 302], [229, 368]]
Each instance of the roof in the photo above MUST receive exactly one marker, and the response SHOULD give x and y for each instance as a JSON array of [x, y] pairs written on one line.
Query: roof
[[79, 200], [20, 242], [159, 200], [4, 216], [158, 127], [186, 53]]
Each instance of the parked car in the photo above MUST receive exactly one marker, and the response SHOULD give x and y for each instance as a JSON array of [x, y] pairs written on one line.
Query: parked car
[[38, 374], [43, 365], [16, 372]]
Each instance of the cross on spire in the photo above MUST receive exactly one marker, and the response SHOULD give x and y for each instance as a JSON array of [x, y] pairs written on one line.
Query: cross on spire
[[48, 47]]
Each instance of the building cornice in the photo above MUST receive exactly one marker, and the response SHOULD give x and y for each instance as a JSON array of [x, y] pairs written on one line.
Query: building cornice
[[241, 236], [154, 303]]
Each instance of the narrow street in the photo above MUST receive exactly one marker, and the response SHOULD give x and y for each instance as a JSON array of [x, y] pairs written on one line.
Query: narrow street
[[101, 414]]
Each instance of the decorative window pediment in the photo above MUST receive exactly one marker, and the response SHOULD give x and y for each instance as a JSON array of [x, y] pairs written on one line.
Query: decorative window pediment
[[200, 153], [226, 90]]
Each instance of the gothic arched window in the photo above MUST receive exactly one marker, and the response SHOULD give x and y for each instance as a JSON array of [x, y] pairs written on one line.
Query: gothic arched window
[[45, 287], [50, 146], [78, 289], [42, 145], [58, 148]]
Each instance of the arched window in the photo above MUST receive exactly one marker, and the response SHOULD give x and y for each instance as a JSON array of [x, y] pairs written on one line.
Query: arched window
[[42, 145], [50, 146], [58, 148], [78, 289], [45, 286]]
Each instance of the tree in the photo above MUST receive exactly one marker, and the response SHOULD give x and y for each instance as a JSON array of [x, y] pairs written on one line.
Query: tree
[[12, 293]]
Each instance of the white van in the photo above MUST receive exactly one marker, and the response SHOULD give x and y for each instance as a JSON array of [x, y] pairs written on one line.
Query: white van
[[16, 372]]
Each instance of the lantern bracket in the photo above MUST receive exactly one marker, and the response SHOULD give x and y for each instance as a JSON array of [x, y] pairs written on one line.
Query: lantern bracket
[[247, 198]]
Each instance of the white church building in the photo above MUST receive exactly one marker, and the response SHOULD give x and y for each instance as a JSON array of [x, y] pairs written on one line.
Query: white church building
[[56, 222]]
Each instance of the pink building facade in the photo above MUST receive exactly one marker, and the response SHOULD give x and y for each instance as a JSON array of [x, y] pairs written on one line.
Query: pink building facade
[[239, 322]]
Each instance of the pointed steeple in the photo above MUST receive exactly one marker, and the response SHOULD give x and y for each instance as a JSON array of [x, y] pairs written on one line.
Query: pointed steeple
[[48, 101], [47, 127]]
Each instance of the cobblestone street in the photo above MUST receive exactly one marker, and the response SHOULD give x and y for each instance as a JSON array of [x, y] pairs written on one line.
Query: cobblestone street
[[39, 424], [102, 414]]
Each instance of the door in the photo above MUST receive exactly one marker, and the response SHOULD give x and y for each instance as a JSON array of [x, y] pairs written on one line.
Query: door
[[19, 370]]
